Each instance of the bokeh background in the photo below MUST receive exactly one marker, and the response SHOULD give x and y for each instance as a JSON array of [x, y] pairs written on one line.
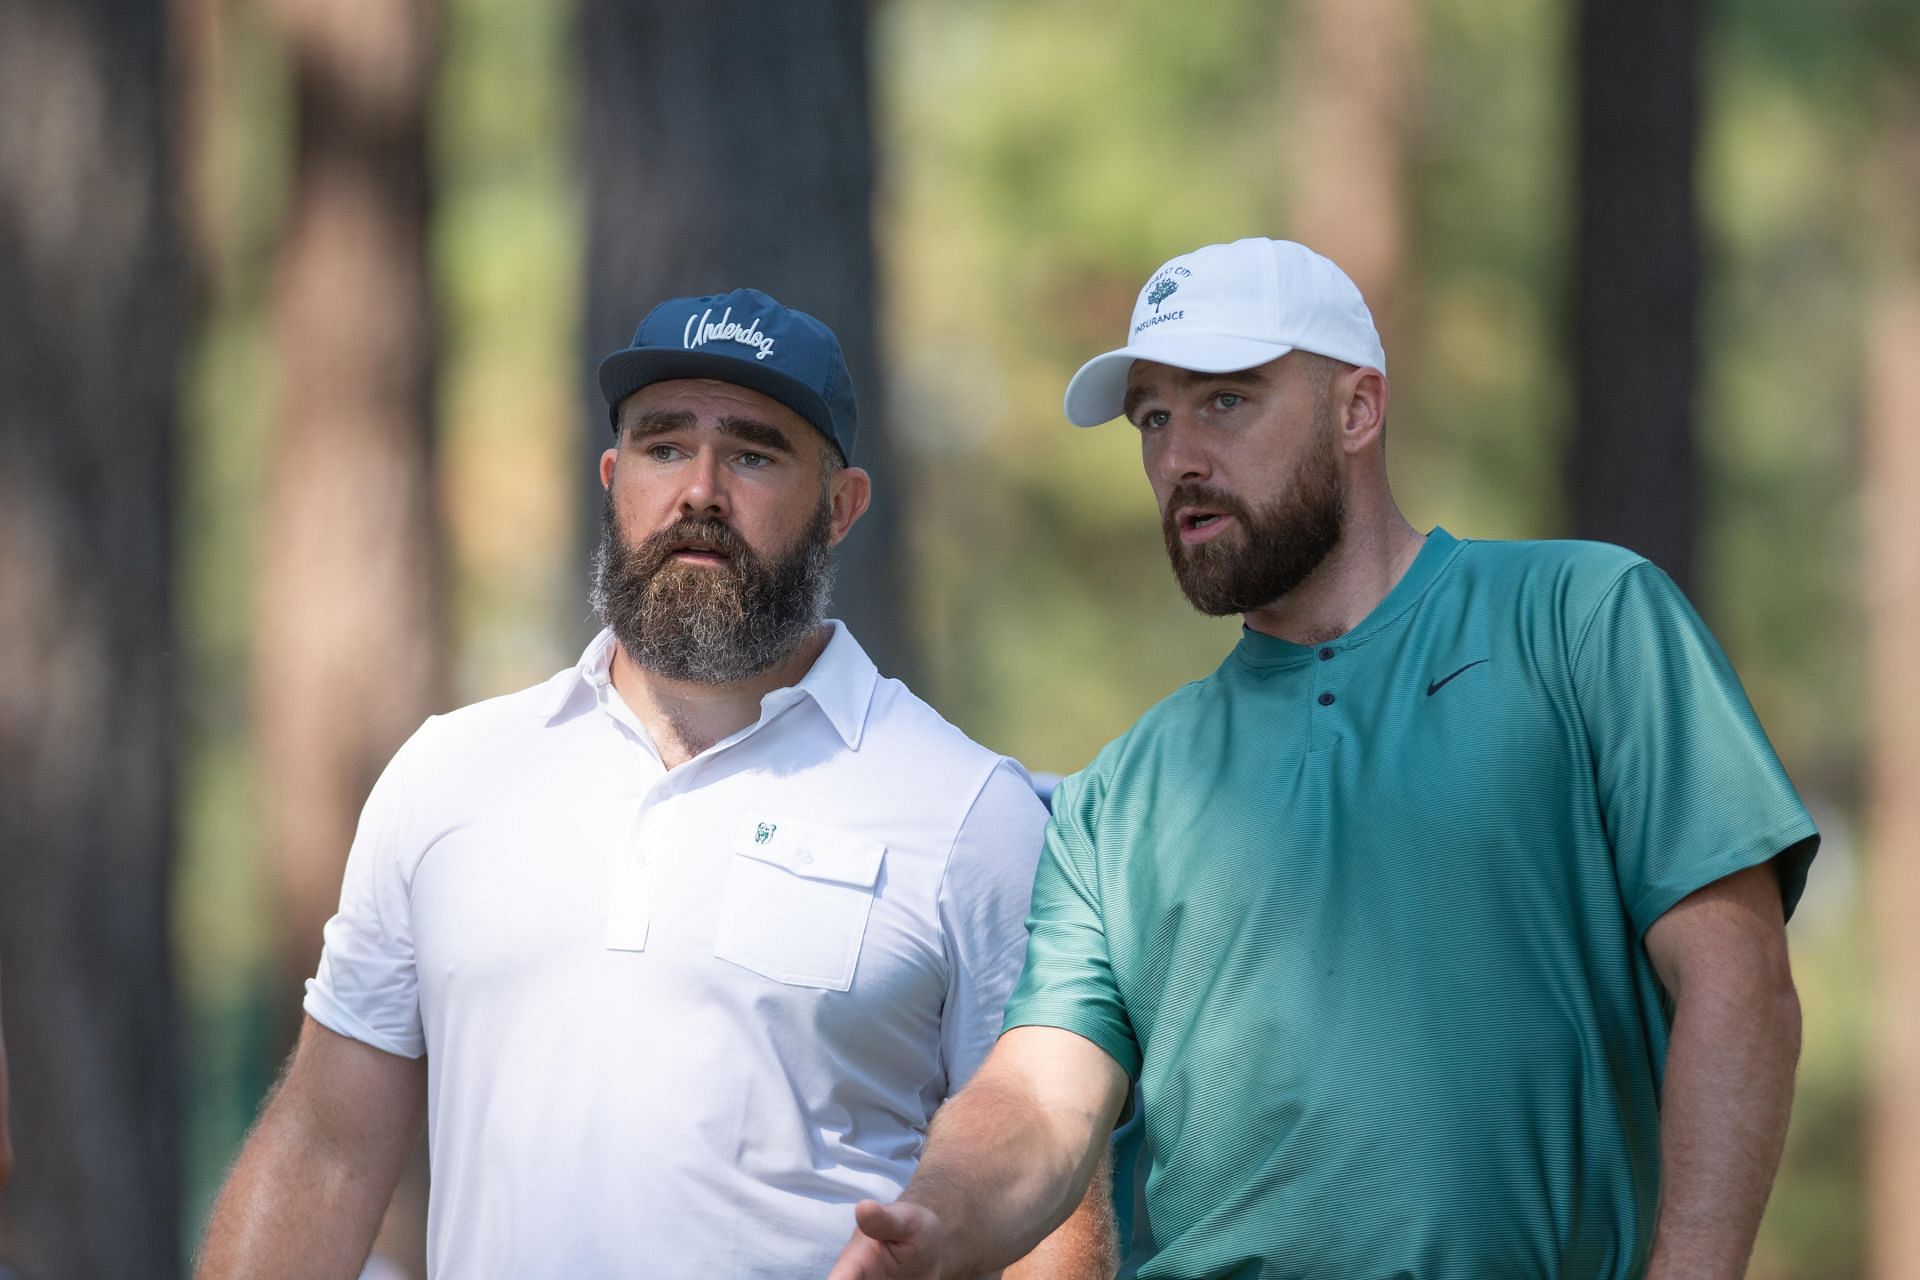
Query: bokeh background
[[299, 303]]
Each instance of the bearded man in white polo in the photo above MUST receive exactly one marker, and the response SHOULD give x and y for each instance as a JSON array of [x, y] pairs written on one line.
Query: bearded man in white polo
[[677, 952]]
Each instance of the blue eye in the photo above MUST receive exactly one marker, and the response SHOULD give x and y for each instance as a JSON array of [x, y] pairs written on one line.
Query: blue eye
[[1227, 399]]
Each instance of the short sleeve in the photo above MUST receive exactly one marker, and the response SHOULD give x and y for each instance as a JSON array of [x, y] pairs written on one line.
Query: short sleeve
[[1068, 981], [1690, 788], [367, 987], [983, 904]]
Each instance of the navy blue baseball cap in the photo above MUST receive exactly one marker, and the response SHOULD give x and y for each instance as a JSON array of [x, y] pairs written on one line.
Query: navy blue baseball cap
[[748, 339]]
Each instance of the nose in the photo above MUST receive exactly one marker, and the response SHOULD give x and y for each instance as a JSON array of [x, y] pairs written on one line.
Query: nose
[[703, 490], [1180, 452]]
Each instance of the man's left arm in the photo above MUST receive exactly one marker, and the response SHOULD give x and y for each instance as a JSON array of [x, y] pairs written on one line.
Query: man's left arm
[[1721, 953], [1084, 1247], [983, 911]]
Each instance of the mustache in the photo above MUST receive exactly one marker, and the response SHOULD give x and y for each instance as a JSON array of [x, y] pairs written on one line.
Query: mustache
[[1191, 493], [692, 534]]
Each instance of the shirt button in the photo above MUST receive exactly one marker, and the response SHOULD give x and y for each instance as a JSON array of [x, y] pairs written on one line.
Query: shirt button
[[1326, 654], [1326, 699]]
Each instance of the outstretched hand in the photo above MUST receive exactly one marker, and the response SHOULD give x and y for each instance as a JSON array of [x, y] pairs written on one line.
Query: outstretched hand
[[898, 1241]]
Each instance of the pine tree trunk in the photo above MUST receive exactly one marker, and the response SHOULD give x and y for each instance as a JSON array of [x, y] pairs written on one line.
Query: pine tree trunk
[[1632, 466], [92, 308], [729, 144], [349, 651], [1357, 77]]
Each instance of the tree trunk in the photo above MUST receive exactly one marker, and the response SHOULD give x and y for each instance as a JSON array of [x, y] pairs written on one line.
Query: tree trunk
[[1632, 468], [348, 657], [1892, 489], [729, 144], [92, 307], [1357, 78]]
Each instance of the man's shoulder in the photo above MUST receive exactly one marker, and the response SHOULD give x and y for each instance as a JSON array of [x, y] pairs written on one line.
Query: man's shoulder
[[1552, 557], [1564, 579], [506, 722], [904, 728], [1168, 726]]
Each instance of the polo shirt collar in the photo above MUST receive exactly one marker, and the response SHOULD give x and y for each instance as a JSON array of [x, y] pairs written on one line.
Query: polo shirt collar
[[840, 682], [1262, 650]]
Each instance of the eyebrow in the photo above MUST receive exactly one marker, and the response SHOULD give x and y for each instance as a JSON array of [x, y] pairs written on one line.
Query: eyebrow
[[762, 435], [1187, 378]]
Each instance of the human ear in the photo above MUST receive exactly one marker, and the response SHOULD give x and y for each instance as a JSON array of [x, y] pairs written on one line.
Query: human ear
[[1362, 395], [851, 491]]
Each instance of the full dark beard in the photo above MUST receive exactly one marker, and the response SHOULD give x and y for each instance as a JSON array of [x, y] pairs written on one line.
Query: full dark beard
[[1283, 542], [712, 624]]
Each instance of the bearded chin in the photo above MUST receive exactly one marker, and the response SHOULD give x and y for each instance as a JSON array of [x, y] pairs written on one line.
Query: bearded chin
[[711, 624], [1279, 545]]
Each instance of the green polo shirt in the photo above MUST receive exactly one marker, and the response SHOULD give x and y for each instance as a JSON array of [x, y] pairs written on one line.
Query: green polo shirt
[[1365, 920]]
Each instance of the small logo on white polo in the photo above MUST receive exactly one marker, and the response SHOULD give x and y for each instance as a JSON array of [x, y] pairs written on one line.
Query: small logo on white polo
[[702, 329], [764, 832]]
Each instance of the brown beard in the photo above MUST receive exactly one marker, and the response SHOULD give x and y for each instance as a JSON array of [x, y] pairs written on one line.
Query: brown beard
[[1283, 542], [712, 624]]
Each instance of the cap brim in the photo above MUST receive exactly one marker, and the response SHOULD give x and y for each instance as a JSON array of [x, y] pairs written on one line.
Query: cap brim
[[1098, 391], [625, 372]]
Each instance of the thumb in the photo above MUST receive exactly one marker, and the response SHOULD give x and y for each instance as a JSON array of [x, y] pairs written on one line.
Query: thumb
[[896, 1223]]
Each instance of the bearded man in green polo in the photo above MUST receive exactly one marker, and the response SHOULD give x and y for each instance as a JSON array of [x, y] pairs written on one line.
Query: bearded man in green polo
[[1442, 927]]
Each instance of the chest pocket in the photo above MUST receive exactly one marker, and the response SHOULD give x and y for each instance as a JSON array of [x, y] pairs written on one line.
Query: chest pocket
[[796, 902]]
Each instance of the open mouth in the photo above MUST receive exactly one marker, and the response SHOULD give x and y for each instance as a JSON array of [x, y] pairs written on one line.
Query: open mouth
[[699, 553], [1199, 524]]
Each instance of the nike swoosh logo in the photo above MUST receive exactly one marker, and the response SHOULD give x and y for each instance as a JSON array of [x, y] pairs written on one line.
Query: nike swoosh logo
[[1441, 683]]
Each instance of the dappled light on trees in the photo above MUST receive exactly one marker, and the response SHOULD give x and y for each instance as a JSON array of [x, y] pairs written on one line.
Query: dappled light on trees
[[92, 311]]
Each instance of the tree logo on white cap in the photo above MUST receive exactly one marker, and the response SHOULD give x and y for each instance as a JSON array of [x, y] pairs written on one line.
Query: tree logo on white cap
[[1162, 289]]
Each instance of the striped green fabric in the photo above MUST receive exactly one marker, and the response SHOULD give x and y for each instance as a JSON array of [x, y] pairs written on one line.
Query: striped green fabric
[[1365, 920]]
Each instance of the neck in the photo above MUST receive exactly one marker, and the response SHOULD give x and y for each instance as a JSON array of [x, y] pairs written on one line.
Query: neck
[[685, 717], [1371, 556]]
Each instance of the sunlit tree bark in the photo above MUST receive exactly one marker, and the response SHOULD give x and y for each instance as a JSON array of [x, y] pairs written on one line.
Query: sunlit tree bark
[[349, 648], [1632, 465], [1356, 73], [92, 309], [730, 144]]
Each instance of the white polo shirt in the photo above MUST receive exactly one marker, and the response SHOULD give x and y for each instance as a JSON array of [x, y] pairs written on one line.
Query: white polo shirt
[[677, 1021]]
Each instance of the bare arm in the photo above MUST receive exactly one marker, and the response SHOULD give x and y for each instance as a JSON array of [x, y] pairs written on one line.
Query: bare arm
[[1722, 954], [1007, 1159], [1084, 1247], [310, 1186]]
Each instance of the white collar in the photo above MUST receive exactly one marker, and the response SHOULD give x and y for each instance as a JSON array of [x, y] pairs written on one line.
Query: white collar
[[840, 682]]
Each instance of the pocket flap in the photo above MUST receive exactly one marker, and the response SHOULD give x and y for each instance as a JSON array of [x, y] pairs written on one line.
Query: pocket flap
[[813, 852]]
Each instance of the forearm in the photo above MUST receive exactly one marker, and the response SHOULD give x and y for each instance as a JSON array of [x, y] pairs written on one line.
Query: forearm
[[294, 1205], [1085, 1246], [1000, 1172], [1723, 1121]]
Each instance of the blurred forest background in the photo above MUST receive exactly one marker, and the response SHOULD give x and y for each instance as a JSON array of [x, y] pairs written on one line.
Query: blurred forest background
[[299, 302]]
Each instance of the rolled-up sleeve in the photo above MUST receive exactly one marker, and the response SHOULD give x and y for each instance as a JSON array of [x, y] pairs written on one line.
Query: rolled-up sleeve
[[367, 986]]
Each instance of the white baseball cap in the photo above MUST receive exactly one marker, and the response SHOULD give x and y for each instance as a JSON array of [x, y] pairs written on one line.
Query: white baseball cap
[[1229, 307]]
